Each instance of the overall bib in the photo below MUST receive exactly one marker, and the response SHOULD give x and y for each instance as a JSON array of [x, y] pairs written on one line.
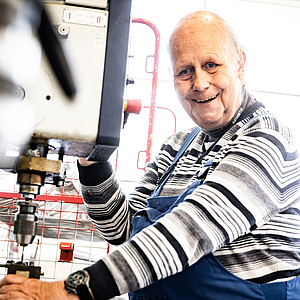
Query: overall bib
[[207, 279]]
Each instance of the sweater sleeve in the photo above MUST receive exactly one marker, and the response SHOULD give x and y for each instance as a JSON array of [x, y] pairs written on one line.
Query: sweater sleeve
[[107, 206], [257, 177]]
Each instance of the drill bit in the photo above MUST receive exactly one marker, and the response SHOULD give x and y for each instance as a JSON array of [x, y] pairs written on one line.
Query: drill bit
[[22, 257]]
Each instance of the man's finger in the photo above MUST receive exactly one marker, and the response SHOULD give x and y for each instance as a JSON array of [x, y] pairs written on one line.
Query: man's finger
[[13, 295], [9, 279]]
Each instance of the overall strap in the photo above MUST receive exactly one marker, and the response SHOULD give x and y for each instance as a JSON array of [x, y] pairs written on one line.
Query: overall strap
[[180, 152]]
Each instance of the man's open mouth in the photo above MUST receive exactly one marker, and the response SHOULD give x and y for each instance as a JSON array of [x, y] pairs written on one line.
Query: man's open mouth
[[206, 100]]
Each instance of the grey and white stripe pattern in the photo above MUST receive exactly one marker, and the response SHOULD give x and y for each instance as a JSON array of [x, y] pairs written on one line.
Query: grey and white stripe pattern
[[247, 212]]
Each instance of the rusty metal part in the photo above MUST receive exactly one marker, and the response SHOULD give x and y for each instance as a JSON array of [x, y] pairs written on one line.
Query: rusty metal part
[[30, 178], [40, 164], [30, 183]]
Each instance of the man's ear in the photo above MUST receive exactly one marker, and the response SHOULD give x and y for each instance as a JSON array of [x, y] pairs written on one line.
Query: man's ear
[[241, 64]]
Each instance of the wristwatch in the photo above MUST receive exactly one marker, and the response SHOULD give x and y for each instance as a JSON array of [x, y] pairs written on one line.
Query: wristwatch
[[77, 283]]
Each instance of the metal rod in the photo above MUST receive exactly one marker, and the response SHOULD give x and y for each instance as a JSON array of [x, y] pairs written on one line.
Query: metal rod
[[154, 84], [22, 256]]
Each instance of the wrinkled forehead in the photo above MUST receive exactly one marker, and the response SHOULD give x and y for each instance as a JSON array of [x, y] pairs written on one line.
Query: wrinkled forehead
[[196, 40], [197, 32]]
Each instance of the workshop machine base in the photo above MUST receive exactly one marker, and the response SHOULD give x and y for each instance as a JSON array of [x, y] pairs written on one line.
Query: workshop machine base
[[23, 269]]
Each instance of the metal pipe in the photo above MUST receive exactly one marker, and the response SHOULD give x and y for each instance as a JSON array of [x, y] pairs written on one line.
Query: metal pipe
[[154, 84], [168, 109]]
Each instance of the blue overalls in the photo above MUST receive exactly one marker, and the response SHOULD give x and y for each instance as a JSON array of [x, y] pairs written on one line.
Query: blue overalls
[[207, 279]]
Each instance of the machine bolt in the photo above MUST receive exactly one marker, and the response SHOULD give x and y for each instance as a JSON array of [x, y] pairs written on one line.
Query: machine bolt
[[63, 30]]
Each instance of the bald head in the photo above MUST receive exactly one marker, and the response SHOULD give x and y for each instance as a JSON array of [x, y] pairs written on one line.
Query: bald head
[[203, 22], [208, 69]]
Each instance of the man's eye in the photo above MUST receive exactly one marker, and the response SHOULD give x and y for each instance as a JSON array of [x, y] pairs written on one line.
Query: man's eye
[[184, 72], [210, 65]]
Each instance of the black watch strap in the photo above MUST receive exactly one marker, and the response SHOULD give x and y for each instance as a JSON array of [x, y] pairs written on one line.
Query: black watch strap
[[83, 293], [77, 283]]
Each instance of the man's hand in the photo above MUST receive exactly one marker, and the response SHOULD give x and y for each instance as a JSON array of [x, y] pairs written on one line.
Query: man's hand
[[18, 287]]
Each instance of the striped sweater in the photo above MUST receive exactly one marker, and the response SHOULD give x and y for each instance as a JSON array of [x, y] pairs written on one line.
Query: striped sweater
[[247, 211]]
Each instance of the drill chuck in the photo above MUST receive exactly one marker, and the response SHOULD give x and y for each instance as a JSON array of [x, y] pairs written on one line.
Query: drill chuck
[[25, 223]]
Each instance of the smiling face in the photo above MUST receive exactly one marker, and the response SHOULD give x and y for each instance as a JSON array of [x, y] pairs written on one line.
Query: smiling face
[[208, 71]]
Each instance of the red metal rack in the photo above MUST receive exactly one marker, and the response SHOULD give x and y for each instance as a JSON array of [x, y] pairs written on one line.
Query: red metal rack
[[62, 220]]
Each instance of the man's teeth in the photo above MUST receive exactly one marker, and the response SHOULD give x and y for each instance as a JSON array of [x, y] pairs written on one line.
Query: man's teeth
[[206, 100]]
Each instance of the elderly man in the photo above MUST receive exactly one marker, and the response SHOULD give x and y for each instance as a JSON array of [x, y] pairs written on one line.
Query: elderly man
[[216, 215]]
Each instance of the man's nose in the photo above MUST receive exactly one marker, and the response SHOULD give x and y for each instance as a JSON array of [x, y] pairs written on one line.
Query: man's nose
[[201, 80]]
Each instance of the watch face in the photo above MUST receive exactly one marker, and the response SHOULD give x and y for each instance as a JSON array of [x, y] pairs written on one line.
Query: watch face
[[77, 278]]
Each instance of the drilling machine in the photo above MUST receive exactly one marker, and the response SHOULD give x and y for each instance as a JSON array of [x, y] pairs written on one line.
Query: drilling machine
[[85, 121]]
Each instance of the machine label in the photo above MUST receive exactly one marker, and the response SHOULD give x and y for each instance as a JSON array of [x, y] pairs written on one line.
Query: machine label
[[23, 273], [84, 17]]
